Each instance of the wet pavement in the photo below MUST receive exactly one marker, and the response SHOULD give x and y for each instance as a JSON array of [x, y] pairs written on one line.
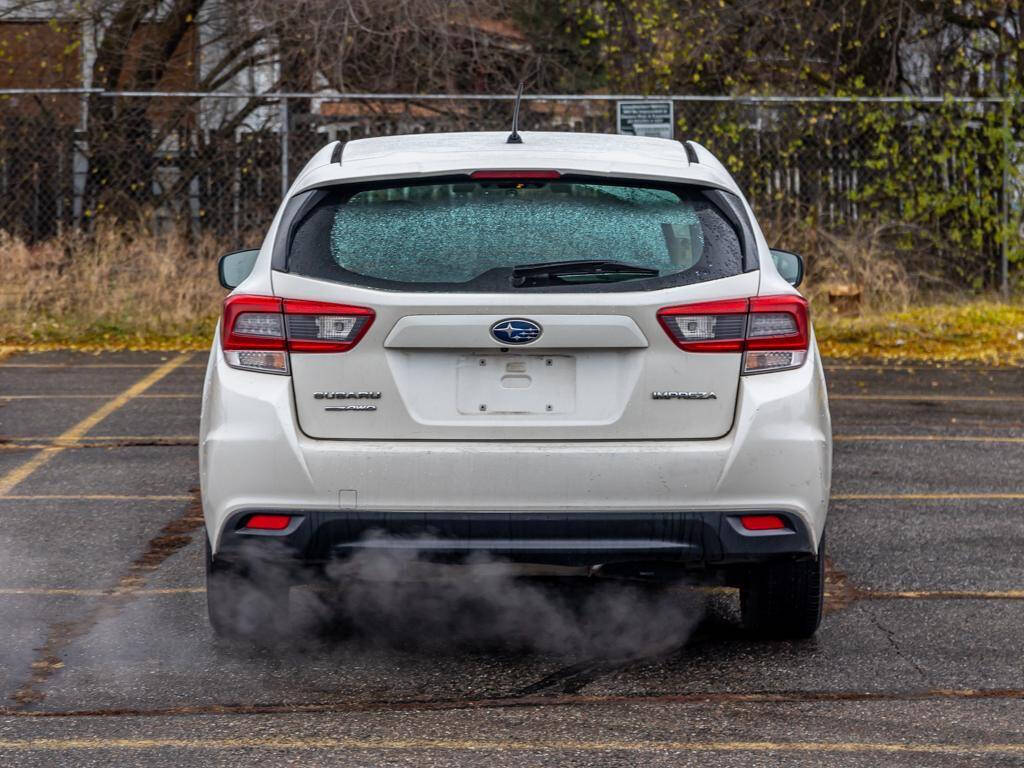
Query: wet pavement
[[106, 656]]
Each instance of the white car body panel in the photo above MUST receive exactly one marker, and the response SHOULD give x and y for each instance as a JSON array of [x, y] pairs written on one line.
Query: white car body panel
[[576, 331], [769, 449], [406, 375], [436, 154], [777, 456]]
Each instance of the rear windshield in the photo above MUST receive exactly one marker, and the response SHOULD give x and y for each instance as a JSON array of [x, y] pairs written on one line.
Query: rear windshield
[[509, 236]]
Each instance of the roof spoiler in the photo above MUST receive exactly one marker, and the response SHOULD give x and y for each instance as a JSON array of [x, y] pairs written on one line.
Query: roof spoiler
[[691, 152]]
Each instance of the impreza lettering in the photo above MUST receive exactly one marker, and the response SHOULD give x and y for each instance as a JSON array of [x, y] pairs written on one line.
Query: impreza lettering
[[673, 395]]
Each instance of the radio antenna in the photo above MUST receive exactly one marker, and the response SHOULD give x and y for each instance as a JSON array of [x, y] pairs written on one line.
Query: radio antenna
[[514, 137]]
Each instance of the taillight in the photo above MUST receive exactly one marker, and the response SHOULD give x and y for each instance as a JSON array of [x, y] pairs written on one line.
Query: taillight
[[770, 331], [314, 326], [258, 331], [252, 334], [777, 334], [716, 326]]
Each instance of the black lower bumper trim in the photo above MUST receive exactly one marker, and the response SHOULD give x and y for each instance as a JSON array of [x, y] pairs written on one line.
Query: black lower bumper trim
[[553, 538]]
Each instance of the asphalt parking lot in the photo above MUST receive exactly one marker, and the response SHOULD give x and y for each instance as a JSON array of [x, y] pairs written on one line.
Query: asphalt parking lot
[[106, 656]]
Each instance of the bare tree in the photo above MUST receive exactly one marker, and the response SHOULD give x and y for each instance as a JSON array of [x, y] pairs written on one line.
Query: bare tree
[[486, 46], [299, 45]]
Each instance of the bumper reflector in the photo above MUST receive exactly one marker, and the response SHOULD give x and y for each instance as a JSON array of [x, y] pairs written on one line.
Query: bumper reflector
[[268, 522], [762, 522]]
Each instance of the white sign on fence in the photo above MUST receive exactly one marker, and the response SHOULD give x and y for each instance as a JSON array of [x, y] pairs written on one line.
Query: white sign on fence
[[645, 118]]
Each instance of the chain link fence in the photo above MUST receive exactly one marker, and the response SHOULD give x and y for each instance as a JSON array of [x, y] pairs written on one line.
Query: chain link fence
[[942, 172]]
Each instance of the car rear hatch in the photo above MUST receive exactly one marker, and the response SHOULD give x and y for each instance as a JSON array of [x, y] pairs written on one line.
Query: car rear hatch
[[517, 309], [595, 372]]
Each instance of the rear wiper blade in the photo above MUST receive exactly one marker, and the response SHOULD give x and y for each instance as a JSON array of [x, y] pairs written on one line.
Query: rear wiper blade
[[528, 274], [578, 266]]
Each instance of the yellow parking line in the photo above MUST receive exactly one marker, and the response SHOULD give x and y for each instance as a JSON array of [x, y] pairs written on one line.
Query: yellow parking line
[[924, 496], [487, 745], [943, 594], [76, 366], [75, 396], [92, 497], [935, 398], [862, 594], [99, 438], [72, 592], [928, 438], [56, 396], [12, 478]]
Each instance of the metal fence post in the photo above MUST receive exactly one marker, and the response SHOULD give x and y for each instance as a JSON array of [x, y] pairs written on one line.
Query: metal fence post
[[283, 108], [1004, 257]]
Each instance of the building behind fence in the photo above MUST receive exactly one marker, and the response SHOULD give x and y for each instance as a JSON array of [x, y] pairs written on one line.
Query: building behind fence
[[943, 172]]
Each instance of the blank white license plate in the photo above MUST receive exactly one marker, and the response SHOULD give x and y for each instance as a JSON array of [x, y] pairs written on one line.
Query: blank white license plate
[[510, 383]]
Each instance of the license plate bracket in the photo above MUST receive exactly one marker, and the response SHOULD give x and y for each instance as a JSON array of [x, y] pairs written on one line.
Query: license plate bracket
[[511, 384]]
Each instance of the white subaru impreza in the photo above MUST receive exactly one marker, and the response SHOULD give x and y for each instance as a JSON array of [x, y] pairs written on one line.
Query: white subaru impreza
[[576, 350]]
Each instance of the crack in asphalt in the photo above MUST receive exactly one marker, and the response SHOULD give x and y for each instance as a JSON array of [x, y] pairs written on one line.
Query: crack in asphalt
[[841, 593], [174, 535], [891, 637]]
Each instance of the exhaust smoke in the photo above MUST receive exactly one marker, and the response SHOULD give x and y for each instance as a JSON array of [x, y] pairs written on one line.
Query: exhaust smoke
[[392, 597]]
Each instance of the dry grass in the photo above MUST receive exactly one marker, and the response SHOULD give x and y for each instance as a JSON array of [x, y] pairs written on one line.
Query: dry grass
[[904, 313], [979, 330], [862, 258], [120, 287], [124, 288]]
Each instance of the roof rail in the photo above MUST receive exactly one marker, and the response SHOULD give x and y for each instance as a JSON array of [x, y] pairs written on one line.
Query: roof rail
[[691, 152], [336, 153]]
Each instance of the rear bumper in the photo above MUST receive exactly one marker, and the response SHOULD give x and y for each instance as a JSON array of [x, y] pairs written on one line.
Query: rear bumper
[[702, 539], [776, 458]]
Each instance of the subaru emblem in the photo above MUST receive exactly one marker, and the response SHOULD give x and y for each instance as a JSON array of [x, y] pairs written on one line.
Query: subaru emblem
[[515, 330]]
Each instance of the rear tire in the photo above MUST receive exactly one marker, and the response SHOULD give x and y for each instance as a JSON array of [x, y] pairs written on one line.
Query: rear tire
[[783, 600], [243, 603]]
